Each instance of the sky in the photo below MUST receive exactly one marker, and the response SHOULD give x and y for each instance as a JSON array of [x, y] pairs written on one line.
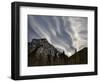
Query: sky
[[66, 33]]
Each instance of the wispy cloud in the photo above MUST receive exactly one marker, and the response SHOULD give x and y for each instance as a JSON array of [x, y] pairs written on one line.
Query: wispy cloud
[[65, 33]]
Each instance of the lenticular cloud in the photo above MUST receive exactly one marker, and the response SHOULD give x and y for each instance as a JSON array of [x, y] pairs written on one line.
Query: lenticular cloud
[[66, 33]]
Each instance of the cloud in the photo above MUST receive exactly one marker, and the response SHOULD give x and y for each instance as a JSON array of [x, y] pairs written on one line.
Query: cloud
[[65, 33]]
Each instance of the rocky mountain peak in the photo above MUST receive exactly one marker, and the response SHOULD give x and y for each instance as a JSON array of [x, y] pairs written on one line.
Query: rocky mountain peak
[[41, 52]]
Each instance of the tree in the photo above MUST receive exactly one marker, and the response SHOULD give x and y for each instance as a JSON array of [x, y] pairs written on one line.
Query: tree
[[75, 50]]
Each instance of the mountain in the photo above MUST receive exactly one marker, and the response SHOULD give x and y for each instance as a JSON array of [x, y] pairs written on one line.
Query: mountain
[[79, 57], [41, 53]]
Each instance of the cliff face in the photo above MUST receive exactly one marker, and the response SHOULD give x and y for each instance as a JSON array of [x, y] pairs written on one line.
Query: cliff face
[[41, 53]]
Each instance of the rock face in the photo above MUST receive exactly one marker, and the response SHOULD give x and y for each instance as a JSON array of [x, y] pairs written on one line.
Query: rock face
[[41, 53]]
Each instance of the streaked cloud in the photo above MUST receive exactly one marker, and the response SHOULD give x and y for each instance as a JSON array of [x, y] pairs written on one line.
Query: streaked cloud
[[65, 33]]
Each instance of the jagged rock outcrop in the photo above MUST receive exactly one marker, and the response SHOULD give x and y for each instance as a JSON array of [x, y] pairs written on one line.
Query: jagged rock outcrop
[[41, 53]]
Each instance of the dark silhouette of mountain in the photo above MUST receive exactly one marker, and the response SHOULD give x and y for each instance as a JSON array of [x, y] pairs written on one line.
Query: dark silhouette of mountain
[[41, 53], [79, 57]]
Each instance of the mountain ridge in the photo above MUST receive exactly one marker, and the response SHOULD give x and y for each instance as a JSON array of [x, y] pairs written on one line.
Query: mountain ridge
[[41, 52]]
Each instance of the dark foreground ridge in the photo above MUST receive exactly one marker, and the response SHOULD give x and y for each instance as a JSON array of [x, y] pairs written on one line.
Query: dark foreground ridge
[[41, 53]]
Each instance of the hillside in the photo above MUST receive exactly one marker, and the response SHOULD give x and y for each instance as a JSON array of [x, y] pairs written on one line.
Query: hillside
[[41, 53]]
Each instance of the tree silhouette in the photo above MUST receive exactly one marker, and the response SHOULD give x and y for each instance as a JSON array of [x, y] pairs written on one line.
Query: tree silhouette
[[75, 50]]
